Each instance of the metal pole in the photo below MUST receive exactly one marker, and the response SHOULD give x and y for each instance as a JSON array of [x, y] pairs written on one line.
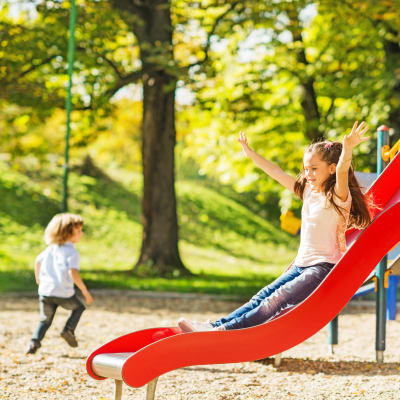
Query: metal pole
[[333, 334], [380, 344], [118, 389], [68, 103]]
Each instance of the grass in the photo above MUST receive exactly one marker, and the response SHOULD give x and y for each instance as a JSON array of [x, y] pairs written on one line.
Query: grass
[[231, 250]]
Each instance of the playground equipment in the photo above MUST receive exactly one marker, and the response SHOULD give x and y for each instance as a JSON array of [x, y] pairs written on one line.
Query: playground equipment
[[139, 358], [389, 153], [290, 223], [385, 280]]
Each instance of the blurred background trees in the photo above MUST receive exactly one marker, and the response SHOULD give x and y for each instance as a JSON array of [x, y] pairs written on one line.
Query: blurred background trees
[[157, 82]]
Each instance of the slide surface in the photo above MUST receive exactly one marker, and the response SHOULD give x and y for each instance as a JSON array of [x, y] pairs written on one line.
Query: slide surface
[[159, 350]]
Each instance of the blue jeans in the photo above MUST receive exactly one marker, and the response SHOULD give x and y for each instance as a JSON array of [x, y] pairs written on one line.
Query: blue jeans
[[290, 289], [48, 307]]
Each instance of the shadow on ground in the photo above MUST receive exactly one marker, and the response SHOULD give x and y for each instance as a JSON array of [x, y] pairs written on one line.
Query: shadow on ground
[[345, 368]]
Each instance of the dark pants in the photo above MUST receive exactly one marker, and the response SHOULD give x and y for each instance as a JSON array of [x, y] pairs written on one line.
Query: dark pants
[[48, 307], [290, 289]]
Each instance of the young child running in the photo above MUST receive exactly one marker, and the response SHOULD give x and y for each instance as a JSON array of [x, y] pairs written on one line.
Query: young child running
[[56, 272], [332, 201]]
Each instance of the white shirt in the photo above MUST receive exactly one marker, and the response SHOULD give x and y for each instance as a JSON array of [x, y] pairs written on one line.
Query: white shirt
[[55, 263], [322, 237]]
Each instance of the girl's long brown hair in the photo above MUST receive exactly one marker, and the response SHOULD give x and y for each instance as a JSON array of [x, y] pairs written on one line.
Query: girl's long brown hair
[[330, 152]]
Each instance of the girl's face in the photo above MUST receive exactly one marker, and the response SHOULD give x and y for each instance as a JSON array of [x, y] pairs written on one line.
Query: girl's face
[[76, 236], [317, 171]]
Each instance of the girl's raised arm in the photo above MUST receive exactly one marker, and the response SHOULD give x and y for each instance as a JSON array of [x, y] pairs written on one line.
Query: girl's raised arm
[[268, 167], [354, 138]]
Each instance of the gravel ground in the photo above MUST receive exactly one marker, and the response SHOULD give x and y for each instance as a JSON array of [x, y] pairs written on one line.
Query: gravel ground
[[307, 371]]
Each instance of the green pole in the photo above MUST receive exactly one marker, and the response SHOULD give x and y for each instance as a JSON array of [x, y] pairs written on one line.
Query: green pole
[[68, 103], [380, 344]]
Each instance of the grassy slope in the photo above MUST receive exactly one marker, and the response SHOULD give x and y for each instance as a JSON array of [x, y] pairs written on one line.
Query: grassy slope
[[232, 250]]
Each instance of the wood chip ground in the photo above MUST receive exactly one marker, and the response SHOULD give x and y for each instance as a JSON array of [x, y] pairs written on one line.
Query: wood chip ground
[[307, 371]]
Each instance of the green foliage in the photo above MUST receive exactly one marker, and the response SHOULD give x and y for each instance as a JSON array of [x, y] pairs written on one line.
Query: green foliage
[[33, 73], [252, 78], [255, 81], [30, 50]]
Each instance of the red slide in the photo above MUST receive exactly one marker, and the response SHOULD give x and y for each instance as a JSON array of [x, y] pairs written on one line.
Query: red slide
[[150, 353]]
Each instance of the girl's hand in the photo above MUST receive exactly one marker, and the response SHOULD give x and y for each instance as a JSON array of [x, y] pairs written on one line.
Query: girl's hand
[[355, 137], [243, 141]]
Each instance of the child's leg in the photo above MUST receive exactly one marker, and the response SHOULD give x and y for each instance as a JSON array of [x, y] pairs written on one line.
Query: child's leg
[[72, 303], [47, 310], [288, 295], [257, 299]]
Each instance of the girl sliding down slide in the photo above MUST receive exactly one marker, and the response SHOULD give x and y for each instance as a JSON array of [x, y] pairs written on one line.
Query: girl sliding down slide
[[332, 202]]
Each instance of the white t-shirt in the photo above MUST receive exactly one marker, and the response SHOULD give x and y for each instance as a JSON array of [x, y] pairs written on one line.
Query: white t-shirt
[[55, 263], [322, 237]]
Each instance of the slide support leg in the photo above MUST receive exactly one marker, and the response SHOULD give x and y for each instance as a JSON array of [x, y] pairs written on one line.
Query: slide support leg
[[278, 360], [380, 344], [151, 389], [333, 329], [118, 389]]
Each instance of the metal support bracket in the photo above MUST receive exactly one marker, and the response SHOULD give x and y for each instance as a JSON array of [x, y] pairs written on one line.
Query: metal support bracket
[[150, 392]]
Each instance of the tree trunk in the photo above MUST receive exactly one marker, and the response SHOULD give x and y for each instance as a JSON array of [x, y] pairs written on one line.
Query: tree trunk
[[310, 111], [309, 101], [159, 254]]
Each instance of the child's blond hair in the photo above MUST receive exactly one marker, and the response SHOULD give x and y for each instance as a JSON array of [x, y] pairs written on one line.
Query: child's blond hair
[[61, 228]]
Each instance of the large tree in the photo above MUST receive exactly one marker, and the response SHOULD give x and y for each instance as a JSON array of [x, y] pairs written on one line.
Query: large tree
[[120, 42], [152, 26]]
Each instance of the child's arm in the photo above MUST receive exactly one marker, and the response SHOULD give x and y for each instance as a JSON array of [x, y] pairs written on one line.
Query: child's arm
[[37, 271], [354, 138], [268, 167], [79, 282]]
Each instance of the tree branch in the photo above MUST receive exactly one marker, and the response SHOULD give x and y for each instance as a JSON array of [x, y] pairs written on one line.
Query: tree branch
[[126, 80], [107, 60], [111, 64], [85, 108], [330, 109], [33, 67]]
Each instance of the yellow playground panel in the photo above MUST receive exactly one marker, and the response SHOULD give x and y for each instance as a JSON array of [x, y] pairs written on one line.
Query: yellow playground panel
[[389, 153], [290, 223]]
